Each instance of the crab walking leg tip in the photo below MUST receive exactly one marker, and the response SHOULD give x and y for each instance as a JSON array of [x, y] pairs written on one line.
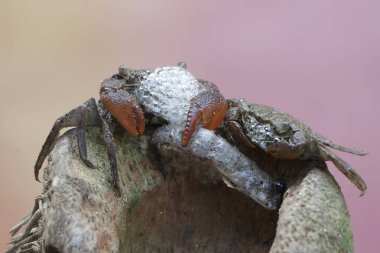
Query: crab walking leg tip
[[362, 188], [36, 177], [117, 190]]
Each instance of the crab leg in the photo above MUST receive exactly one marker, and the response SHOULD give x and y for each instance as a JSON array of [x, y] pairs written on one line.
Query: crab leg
[[335, 146], [345, 168], [125, 109], [208, 106], [70, 119], [81, 138], [108, 128]]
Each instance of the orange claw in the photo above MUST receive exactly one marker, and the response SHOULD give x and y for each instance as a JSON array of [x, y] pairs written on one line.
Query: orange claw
[[208, 106], [123, 107]]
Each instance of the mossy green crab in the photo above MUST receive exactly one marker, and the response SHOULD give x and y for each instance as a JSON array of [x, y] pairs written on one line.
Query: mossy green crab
[[284, 137]]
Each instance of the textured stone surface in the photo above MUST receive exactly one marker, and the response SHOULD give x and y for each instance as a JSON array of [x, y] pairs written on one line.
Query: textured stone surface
[[191, 210], [83, 206], [314, 217]]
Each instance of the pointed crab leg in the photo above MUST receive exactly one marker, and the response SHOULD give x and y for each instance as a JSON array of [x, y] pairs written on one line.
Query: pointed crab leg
[[322, 139], [210, 107], [84, 115], [108, 128], [70, 119], [345, 168], [85, 112]]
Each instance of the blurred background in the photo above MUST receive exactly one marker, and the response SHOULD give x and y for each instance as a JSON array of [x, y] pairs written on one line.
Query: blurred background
[[317, 60]]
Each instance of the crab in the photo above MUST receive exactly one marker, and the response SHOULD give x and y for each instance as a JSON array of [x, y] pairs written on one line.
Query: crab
[[116, 103], [284, 137], [173, 96]]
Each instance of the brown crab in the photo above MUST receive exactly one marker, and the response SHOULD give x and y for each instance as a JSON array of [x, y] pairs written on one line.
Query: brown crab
[[118, 103], [284, 137]]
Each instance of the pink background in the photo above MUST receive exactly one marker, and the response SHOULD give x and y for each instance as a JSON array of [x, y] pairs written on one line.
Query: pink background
[[318, 60]]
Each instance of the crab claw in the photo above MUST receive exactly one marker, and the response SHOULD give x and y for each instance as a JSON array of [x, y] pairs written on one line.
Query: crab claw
[[210, 107], [122, 106]]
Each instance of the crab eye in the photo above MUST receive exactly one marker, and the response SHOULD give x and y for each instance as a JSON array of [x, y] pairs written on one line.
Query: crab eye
[[123, 70], [105, 89]]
